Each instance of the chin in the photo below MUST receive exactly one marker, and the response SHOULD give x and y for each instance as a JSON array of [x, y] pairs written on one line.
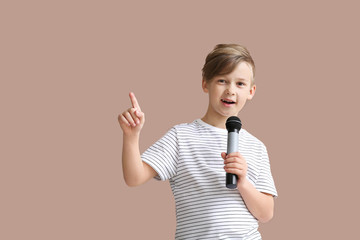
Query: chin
[[229, 114]]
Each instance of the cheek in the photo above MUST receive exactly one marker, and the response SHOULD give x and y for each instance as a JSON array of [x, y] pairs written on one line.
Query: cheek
[[243, 94], [241, 101], [213, 98], [214, 94], [218, 92]]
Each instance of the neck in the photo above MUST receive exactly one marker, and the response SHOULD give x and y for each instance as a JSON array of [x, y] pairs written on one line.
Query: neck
[[218, 121], [215, 119]]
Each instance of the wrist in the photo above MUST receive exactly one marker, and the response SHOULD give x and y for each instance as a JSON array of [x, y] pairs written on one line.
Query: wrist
[[131, 137], [243, 184]]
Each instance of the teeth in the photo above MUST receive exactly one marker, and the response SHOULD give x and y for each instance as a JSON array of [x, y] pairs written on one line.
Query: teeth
[[227, 101]]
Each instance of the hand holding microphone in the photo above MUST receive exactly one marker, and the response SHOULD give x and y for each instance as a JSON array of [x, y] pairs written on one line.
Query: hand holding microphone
[[235, 164]]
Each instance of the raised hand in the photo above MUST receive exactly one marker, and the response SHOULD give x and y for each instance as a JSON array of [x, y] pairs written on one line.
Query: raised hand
[[132, 120]]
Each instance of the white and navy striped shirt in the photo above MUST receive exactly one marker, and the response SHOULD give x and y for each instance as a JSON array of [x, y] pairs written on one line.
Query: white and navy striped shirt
[[188, 155]]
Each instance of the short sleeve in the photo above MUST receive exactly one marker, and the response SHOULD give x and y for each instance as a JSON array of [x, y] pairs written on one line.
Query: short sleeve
[[163, 155], [265, 182]]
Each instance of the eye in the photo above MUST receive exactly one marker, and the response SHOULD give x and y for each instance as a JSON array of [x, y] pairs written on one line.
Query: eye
[[221, 81], [241, 84]]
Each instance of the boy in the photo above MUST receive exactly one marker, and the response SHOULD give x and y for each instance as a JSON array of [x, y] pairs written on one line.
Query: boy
[[193, 157]]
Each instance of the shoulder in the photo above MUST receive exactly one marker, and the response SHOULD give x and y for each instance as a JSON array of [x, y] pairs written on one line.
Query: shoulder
[[180, 130], [186, 127], [192, 132], [251, 139]]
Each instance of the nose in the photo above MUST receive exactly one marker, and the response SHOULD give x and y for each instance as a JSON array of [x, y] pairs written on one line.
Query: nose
[[231, 89]]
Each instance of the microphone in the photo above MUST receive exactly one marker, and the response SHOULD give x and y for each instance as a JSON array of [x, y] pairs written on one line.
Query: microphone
[[233, 125]]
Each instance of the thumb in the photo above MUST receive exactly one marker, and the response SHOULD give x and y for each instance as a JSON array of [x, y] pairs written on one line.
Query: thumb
[[139, 114], [223, 155]]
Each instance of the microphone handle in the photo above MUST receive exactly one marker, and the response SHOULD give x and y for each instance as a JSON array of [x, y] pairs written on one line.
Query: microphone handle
[[232, 146]]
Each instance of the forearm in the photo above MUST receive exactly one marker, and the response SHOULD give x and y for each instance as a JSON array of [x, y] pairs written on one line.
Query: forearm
[[131, 160], [259, 204]]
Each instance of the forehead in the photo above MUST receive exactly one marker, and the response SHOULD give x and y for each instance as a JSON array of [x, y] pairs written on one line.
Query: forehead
[[243, 71]]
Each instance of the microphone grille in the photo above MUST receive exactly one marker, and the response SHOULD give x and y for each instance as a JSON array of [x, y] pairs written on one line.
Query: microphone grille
[[233, 123]]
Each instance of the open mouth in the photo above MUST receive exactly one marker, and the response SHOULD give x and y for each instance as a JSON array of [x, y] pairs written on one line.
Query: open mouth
[[227, 101]]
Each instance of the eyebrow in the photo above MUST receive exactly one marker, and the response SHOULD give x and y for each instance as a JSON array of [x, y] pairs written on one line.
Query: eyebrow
[[241, 79], [236, 79]]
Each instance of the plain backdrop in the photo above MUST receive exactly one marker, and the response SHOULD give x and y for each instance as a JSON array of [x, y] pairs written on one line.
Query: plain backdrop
[[67, 68]]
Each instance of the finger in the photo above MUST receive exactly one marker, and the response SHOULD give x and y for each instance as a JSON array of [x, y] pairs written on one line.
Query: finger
[[234, 159], [134, 101], [223, 155], [234, 154], [122, 119], [235, 165], [129, 118], [139, 114], [133, 115], [234, 171]]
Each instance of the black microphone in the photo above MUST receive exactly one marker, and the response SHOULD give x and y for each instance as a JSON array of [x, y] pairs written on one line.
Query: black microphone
[[233, 125]]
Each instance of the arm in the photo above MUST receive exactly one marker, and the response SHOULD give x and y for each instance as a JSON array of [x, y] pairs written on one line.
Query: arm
[[261, 205], [135, 171]]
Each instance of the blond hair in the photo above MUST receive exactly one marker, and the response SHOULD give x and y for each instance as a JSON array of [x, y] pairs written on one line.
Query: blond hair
[[224, 58]]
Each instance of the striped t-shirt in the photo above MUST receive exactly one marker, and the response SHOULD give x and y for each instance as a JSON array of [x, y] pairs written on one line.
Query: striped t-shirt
[[188, 155]]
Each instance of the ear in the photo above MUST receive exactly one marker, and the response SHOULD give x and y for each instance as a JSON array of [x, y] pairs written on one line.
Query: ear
[[252, 92], [204, 86]]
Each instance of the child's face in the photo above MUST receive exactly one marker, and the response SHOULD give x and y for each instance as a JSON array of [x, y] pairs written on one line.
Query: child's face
[[234, 87]]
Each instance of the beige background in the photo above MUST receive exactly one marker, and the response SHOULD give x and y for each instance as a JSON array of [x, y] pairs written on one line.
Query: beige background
[[67, 68]]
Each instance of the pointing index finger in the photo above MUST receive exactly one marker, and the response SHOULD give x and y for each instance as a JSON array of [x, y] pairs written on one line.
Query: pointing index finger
[[134, 101]]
